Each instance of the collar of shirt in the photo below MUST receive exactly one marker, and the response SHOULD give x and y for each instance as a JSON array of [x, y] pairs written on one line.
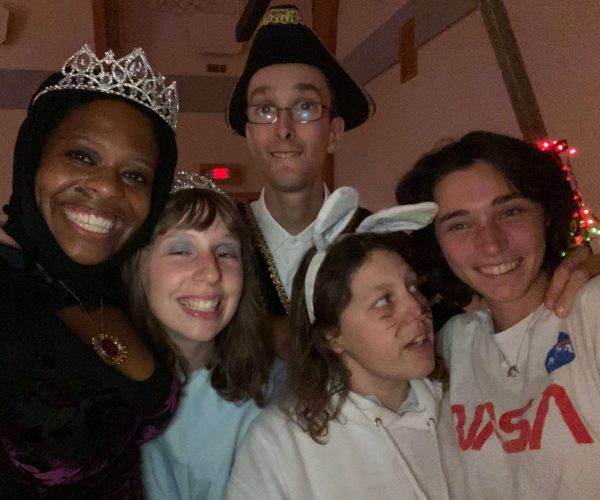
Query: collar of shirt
[[410, 404], [275, 235]]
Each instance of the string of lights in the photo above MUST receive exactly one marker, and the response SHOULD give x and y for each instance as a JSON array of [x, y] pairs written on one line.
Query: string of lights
[[585, 223]]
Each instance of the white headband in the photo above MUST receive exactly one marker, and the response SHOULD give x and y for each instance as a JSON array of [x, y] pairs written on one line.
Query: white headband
[[337, 212]]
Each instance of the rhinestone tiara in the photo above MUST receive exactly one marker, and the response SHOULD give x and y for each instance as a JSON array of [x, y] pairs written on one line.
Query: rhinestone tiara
[[130, 77], [193, 180]]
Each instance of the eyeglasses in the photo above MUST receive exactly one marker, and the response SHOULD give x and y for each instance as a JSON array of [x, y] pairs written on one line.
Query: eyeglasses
[[301, 112]]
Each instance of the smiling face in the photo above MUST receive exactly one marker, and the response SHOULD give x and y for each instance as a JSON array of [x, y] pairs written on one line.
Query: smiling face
[[493, 239], [292, 154], [385, 335], [94, 180], [193, 281]]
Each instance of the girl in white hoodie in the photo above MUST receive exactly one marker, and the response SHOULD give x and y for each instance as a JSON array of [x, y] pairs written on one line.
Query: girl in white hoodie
[[360, 417]]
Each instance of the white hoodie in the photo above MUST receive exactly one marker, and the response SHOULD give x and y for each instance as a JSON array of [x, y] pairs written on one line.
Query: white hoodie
[[370, 453]]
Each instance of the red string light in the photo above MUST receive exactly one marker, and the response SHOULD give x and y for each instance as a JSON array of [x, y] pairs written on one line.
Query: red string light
[[584, 221]]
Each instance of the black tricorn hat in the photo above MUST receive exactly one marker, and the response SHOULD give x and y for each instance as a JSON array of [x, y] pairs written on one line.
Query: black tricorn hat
[[283, 39]]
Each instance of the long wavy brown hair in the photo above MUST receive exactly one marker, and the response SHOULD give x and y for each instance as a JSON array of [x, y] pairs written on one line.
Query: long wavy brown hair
[[318, 381], [241, 361]]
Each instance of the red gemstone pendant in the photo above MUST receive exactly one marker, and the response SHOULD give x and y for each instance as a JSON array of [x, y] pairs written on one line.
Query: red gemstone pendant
[[110, 349]]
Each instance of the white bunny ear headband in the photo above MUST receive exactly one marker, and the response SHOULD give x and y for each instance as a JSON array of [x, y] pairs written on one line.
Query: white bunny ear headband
[[336, 213]]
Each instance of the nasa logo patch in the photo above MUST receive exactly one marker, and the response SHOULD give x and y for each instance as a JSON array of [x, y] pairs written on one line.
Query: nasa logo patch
[[561, 354]]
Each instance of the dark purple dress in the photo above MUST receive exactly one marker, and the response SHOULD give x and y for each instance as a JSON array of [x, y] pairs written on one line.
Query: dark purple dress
[[70, 425]]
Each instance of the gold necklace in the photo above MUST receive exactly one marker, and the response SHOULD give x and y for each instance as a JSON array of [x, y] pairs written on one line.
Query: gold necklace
[[109, 348]]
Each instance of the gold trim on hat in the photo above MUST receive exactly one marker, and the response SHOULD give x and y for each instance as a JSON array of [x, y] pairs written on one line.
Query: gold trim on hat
[[282, 16]]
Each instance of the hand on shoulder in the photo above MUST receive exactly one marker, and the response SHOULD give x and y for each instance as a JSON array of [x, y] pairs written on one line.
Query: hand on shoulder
[[573, 273]]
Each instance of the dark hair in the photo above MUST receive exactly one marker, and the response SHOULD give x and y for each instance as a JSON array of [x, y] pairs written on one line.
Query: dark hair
[[241, 363], [318, 381], [535, 174]]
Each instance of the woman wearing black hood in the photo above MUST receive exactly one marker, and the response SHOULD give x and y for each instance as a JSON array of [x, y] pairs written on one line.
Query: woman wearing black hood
[[80, 391]]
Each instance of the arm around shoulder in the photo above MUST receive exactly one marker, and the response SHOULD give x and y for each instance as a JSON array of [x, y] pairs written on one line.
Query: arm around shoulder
[[588, 300]]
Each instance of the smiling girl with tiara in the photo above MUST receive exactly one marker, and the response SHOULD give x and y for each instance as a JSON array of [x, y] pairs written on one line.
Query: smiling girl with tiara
[[80, 389], [193, 288]]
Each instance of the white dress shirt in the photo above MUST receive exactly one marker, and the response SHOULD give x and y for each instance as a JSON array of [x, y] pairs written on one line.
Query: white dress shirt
[[287, 249]]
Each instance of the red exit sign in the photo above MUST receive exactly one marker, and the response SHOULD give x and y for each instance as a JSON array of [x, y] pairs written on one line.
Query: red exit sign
[[222, 173]]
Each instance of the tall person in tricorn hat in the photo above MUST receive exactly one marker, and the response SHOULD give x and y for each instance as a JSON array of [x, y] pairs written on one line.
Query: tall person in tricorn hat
[[293, 103]]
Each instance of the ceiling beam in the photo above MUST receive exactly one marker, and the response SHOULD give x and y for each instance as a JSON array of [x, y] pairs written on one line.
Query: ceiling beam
[[514, 72], [105, 15], [380, 50], [249, 19]]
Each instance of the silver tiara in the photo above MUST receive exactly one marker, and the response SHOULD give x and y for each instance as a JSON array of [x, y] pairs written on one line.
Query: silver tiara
[[130, 77], [193, 180]]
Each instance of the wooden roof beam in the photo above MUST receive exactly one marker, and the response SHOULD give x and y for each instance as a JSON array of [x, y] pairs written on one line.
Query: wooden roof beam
[[249, 19]]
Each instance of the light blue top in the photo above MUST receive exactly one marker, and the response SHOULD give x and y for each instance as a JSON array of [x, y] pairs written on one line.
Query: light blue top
[[192, 459]]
